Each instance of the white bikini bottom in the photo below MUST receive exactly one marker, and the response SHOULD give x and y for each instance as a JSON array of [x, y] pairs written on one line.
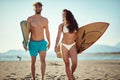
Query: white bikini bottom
[[67, 46]]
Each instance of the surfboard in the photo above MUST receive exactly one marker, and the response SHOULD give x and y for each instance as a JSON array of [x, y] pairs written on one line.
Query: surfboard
[[24, 30], [89, 34], [86, 36], [58, 51]]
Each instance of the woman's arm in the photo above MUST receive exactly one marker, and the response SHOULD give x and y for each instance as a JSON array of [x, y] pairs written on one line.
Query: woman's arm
[[58, 35]]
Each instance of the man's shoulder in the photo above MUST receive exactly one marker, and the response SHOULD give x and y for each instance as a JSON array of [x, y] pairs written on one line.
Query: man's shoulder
[[29, 18], [45, 19]]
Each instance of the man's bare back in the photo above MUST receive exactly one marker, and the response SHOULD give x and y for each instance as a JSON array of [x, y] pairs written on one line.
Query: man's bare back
[[37, 26]]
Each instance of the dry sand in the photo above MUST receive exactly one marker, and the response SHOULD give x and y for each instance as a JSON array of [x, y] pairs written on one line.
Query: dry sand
[[86, 70]]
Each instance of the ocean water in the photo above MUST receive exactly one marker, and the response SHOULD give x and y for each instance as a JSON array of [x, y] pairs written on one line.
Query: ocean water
[[25, 56]]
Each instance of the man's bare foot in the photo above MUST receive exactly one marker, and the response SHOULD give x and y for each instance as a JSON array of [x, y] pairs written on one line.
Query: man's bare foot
[[42, 78]]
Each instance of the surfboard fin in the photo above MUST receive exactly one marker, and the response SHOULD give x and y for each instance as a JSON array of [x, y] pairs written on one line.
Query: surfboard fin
[[83, 34], [81, 48]]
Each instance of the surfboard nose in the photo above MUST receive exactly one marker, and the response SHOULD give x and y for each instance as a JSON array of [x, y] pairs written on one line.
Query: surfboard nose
[[89, 34], [105, 24]]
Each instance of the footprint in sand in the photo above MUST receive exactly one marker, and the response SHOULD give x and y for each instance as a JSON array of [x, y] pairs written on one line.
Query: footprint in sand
[[50, 77], [10, 79], [54, 64], [87, 72], [76, 77], [12, 76], [86, 79], [98, 79], [29, 77], [62, 77]]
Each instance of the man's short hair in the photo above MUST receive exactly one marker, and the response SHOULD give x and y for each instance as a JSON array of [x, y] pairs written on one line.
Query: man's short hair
[[37, 3]]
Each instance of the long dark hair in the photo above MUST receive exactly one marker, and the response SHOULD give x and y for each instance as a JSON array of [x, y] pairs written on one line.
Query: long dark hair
[[72, 23]]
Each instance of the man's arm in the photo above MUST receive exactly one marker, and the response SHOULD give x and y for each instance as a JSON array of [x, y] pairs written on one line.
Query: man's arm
[[47, 33], [28, 29]]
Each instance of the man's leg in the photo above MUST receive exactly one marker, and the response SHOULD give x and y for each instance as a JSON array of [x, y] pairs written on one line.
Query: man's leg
[[43, 63], [33, 60]]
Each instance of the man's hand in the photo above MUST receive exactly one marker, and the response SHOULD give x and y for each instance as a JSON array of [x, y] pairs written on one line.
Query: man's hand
[[48, 45], [24, 46]]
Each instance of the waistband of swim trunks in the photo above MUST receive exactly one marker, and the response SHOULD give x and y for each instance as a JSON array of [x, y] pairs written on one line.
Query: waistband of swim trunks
[[37, 40]]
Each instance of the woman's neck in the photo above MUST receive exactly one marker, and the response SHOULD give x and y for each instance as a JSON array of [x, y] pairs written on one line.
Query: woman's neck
[[66, 24]]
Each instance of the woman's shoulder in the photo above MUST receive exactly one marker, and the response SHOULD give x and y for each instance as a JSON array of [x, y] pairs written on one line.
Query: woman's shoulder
[[61, 25]]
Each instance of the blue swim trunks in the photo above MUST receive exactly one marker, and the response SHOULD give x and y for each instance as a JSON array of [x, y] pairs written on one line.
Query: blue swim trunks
[[37, 46]]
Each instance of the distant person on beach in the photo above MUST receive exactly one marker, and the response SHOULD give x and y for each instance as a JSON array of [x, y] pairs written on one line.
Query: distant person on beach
[[69, 27], [20, 58], [37, 24]]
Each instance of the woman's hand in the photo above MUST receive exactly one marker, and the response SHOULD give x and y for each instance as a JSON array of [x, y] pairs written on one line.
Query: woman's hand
[[55, 49]]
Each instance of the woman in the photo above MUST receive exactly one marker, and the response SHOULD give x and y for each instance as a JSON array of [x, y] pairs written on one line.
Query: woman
[[69, 27]]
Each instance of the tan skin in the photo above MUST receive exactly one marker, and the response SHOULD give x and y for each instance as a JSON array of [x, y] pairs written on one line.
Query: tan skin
[[37, 24], [68, 38]]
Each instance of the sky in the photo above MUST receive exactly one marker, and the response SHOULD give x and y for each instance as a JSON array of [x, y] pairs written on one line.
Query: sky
[[85, 12]]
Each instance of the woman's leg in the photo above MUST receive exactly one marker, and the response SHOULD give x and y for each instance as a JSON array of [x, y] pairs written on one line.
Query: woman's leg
[[73, 55], [67, 63]]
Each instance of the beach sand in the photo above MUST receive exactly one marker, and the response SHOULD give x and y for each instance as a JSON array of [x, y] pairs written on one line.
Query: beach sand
[[86, 70]]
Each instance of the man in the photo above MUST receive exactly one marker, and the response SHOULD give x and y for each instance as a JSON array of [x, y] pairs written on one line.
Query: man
[[37, 24]]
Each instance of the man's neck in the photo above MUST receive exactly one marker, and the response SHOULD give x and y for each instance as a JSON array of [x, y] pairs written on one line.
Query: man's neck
[[38, 15]]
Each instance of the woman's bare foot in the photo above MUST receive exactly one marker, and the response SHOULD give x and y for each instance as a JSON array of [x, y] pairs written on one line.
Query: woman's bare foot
[[73, 77]]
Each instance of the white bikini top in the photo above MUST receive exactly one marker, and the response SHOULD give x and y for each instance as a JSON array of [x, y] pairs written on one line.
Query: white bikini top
[[65, 29]]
